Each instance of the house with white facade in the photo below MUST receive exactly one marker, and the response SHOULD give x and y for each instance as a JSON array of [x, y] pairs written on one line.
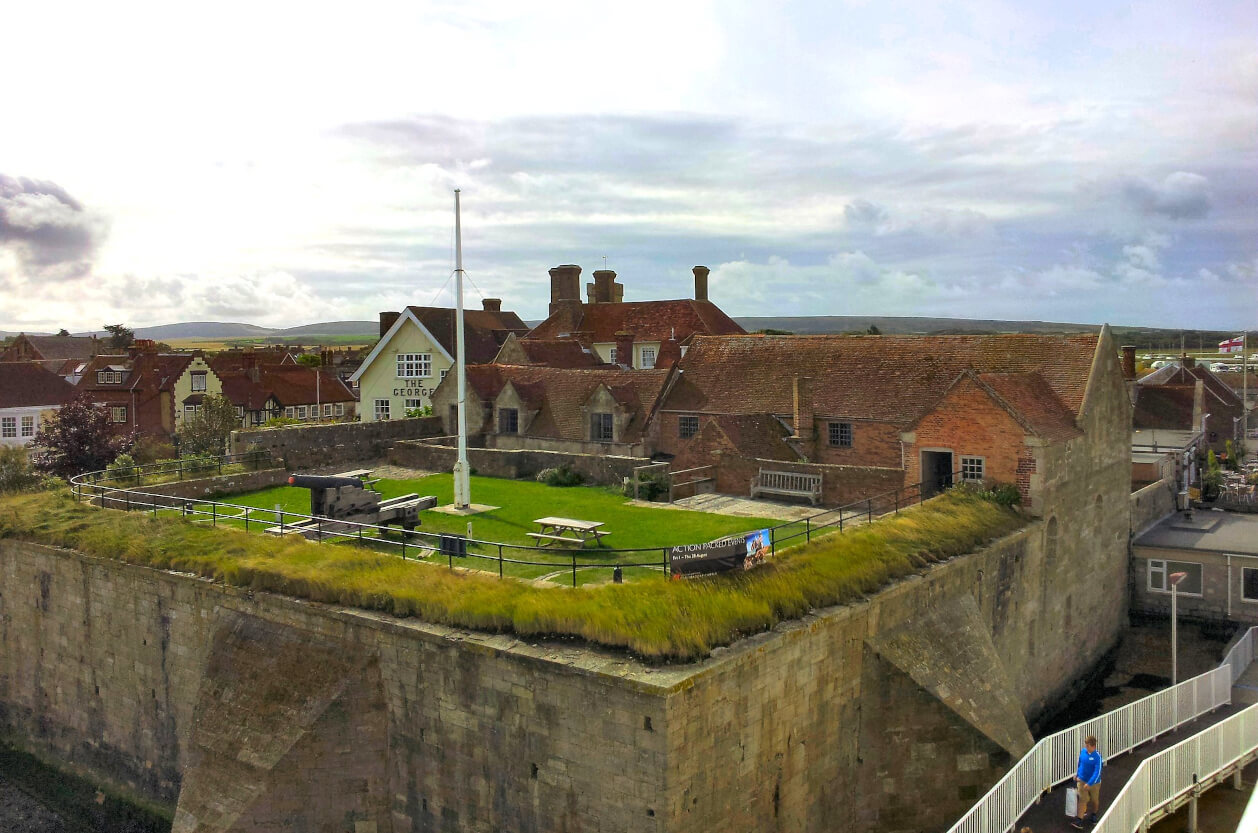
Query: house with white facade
[[29, 393]]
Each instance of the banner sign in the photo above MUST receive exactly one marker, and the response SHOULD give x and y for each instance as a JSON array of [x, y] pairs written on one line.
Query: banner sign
[[741, 552]]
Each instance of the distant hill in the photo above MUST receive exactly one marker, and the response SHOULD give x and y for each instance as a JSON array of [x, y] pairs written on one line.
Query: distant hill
[[332, 328]]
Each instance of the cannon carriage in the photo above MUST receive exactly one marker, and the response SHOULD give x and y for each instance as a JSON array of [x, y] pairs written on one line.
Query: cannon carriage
[[339, 501]]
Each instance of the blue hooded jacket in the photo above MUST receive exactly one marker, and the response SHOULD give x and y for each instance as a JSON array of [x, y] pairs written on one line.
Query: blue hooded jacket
[[1089, 770]]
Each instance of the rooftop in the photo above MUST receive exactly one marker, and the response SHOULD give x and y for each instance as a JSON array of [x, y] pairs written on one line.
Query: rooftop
[[1205, 531]]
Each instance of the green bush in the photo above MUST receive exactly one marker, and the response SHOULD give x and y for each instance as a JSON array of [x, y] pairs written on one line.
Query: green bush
[[561, 476], [151, 450], [651, 487], [122, 468], [16, 474], [1001, 494]]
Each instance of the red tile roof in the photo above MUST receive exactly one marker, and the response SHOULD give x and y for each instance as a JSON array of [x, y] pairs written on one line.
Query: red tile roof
[[1164, 406], [52, 347], [305, 386], [885, 378], [27, 384], [484, 331], [558, 352], [143, 372], [647, 320], [1034, 404], [755, 435], [1173, 374]]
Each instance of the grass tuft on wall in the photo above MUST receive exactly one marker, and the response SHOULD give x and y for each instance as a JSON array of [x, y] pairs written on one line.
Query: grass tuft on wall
[[656, 619]]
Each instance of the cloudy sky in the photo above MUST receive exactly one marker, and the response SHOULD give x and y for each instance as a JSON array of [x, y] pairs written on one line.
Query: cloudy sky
[[282, 164]]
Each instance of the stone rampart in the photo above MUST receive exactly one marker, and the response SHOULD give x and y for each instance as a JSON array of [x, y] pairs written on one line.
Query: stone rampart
[[516, 463], [359, 721], [327, 444], [839, 484]]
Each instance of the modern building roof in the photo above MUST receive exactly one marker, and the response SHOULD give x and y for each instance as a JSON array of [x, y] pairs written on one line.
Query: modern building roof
[[27, 384], [1163, 439], [892, 379], [1205, 531], [647, 320]]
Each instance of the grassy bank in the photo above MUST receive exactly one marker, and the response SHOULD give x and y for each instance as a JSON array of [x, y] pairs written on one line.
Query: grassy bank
[[654, 618]]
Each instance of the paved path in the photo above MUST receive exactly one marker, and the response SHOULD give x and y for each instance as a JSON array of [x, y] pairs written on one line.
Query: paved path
[[731, 505]]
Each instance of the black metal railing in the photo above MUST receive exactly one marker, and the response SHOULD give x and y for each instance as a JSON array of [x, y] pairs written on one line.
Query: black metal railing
[[95, 488]]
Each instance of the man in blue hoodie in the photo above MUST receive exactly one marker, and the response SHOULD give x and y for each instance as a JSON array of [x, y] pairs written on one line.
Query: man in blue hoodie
[[1088, 781]]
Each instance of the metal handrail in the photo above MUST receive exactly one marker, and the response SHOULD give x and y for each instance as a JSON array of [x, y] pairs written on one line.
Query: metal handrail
[[1053, 759]]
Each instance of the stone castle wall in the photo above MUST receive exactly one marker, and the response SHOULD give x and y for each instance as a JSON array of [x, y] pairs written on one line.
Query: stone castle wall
[[1152, 503], [311, 446], [515, 464]]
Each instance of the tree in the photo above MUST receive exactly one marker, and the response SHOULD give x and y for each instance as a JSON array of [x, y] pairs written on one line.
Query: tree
[[310, 360], [873, 330], [207, 431], [78, 438], [1211, 478], [63, 332], [120, 336]]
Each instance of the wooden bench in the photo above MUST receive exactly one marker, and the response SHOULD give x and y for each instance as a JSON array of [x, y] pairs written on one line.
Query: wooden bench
[[787, 483]]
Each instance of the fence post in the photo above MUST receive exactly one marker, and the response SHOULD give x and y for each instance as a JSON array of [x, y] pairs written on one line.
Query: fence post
[[247, 520], [773, 544], [664, 550], [500, 561], [214, 514], [869, 511], [897, 501], [319, 529], [840, 519], [807, 529], [220, 465], [574, 568]]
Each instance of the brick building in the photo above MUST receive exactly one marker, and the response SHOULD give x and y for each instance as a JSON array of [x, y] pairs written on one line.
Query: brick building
[[53, 352], [1221, 408], [149, 392], [633, 334], [547, 352], [877, 410]]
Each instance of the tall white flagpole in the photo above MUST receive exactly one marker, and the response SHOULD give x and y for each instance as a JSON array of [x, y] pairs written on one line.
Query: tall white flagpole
[[462, 484]]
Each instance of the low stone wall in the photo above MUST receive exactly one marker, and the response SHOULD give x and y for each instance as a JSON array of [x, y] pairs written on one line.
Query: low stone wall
[[514, 464], [310, 446], [839, 484], [1152, 503]]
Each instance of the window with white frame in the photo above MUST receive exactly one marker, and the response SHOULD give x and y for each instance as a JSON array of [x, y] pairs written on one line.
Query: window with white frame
[[240, 411], [611, 356], [301, 411], [601, 428], [198, 381], [340, 409], [414, 365], [414, 404], [327, 409], [840, 434], [189, 411], [687, 426], [972, 469], [1249, 584], [28, 426], [1160, 573], [8, 427], [118, 413], [382, 409], [648, 358], [290, 412], [109, 377]]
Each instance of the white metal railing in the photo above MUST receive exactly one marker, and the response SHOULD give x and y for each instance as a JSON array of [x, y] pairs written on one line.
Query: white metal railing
[[1175, 772], [1053, 759]]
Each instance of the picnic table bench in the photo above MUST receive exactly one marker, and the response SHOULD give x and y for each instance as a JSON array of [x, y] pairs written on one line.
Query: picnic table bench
[[361, 474], [567, 531], [788, 483]]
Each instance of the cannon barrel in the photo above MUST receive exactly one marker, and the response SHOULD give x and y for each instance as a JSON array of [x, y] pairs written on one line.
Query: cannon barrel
[[314, 481]]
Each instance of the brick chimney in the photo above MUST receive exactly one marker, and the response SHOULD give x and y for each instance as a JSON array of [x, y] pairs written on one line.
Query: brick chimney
[[701, 283], [1186, 361], [1129, 361], [802, 390], [604, 290], [669, 355], [624, 349], [387, 320], [565, 286], [492, 304]]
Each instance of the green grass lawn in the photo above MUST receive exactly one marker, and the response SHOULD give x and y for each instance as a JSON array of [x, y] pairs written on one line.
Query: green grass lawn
[[519, 503]]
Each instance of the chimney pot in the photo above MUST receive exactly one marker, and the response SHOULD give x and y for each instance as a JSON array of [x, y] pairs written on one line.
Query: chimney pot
[[565, 286], [1129, 361], [605, 287], [387, 320], [701, 283], [1187, 361], [492, 304]]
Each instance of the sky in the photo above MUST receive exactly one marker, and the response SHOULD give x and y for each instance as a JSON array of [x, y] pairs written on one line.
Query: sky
[[282, 164]]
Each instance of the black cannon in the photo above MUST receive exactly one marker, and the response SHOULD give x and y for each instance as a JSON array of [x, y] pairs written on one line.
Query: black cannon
[[344, 498]]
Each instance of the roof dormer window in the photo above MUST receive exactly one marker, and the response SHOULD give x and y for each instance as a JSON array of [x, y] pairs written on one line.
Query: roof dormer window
[[109, 376]]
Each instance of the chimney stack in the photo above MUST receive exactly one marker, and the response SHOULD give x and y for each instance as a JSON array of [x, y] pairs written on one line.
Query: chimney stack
[[802, 389], [624, 349], [1186, 361], [492, 304], [604, 290], [387, 320], [1129, 361], [565, 286], [701, 283]]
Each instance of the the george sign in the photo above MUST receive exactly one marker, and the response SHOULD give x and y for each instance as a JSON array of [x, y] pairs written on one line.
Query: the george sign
[[740, 552], [414, 393]]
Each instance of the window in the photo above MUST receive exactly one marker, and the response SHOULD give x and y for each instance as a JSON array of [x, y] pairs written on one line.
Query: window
[[611, 356], [28, 426], [8, 427], [443, 374], [840, 434], [1249, 584], [118, 413], [301, 411], [189, 411], [109, 377], [414, 366], [1161, 571], [508, 421], [382, 409], [648, 358], [414, 404], [240, 411], [687, 426], [972, 469], [601, 428], [198, 380], [327, 409], [340, 409], [290, 412]]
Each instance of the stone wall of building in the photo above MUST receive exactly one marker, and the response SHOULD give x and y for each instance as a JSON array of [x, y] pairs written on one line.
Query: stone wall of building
[[515, 464], [310, 446], [839, 484], [1222, 597], [1152, 503]]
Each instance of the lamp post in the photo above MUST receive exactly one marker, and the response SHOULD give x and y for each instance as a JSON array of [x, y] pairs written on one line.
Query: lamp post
[[1175, 579]]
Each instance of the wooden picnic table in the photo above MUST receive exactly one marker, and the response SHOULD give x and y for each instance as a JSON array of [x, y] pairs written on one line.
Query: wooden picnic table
[[568, 531]]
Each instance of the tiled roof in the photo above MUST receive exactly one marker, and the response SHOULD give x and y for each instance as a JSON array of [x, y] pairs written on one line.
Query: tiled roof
[[756, 435], [27, 384], [1235, 380], [1164, 406], [1173, 374], [240, 388], [144, 372], [484, 331], [558, 352], [229, 360], [886, 378], [562, 393], [1035, 403], [647, 320], [61, 347], [303, 386]]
